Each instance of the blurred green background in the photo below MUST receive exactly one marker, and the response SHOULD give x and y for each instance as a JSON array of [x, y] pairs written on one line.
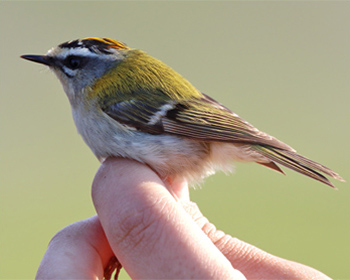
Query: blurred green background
[[283, 66]]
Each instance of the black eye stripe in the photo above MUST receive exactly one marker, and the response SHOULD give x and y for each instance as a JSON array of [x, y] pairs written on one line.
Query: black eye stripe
[[74, 62]]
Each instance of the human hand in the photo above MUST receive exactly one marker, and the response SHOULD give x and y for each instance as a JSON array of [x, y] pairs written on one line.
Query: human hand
[[155, 234]]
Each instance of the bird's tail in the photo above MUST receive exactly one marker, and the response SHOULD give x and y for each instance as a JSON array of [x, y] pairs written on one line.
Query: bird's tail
[[298, 163]]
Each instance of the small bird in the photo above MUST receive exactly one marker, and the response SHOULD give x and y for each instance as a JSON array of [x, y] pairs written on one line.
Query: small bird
[[125, 103]]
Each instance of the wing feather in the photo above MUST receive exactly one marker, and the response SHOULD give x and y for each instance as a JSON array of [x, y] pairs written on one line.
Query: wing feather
[[201, 119], [205, 119]]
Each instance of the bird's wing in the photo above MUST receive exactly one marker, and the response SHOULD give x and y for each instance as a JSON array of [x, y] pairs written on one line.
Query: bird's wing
[[206, 120], [136, 113], [200, 119]]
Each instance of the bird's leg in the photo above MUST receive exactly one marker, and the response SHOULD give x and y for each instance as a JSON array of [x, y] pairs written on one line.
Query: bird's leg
[[112, 265]]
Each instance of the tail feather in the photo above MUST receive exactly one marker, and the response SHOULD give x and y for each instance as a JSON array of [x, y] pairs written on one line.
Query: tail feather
[[298, 163], [272, 166]]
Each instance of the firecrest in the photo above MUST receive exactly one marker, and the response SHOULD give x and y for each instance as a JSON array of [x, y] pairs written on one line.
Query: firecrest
[[126, 103]]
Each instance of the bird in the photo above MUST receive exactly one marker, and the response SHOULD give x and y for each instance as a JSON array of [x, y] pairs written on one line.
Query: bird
[[126, 103]]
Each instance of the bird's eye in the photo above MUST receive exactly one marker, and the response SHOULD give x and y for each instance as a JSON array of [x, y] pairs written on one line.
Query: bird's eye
[[73, 62]]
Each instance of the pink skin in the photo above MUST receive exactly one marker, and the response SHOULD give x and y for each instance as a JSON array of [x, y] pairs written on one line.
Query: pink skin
[[156, 234]]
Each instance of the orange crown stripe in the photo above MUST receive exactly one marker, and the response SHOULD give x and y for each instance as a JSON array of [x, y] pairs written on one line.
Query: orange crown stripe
[[110, 42]]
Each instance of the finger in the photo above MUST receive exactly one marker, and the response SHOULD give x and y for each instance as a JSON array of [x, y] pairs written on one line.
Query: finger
[[149, 233], [253, 262], [79, 251], [178, 188]]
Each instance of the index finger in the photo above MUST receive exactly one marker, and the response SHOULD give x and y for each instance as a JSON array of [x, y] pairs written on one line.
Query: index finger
[[149, 232]]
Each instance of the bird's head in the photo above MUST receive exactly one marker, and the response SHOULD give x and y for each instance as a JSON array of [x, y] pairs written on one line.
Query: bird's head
[[79, 63]]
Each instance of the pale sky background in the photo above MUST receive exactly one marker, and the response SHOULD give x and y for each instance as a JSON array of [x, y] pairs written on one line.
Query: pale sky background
[[283, 66]]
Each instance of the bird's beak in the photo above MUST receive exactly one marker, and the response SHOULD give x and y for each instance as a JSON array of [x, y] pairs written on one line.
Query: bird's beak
[[43, 59]]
